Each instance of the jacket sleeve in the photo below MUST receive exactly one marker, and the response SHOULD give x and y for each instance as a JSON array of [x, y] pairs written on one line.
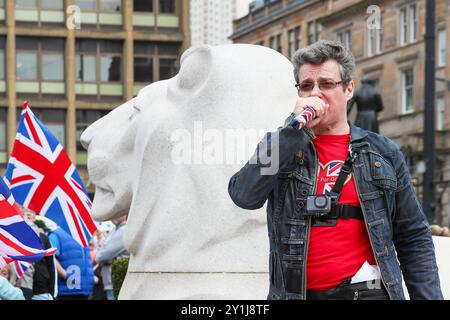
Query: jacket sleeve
[[413, 240], [250, 186], [8, 291], [112, 248]]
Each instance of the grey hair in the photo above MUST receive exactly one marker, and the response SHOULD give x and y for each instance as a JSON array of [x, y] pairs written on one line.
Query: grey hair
[[322, 51]]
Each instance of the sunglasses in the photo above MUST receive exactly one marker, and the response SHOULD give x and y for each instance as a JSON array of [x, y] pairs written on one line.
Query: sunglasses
[[308, 86]]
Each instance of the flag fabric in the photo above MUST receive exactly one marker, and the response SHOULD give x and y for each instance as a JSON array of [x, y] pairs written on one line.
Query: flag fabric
[[42, 178], [19, 268], [18, 241]]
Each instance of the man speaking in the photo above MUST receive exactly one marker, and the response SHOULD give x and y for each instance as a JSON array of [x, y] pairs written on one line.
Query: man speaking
[[344, 221]]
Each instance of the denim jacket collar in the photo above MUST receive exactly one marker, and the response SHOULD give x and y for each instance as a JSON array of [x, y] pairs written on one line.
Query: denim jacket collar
[[356, 133]]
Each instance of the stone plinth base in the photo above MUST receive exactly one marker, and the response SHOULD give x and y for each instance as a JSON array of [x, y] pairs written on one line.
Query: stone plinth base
[[191, 286]]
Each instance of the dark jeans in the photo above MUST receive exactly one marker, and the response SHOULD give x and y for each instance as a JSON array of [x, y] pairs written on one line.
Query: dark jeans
[[371, 290]]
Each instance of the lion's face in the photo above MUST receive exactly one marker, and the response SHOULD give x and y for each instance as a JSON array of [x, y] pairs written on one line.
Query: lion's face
[[110, 145]]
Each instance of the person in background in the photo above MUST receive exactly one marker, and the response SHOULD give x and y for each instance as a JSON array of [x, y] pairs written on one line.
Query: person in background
[[73, 264], [44, 279], [25, 283], [7, 290], [113, 248]]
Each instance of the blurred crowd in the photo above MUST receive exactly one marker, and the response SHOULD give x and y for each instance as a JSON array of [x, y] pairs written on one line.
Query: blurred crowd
[[74, 272]]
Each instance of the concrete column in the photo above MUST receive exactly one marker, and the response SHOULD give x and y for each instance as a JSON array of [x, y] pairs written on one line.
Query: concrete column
[[184, 24], [11, 74], [128, 52], [71, 127]]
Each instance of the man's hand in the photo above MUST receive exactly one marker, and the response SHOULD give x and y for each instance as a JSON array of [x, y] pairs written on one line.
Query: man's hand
[[319, 106]]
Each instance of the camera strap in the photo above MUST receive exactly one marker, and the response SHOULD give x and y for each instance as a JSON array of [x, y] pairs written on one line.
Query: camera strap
[[343, 174], [344, 211]]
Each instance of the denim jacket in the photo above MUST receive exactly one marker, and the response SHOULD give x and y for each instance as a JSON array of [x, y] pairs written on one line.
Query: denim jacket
[[396, 224]]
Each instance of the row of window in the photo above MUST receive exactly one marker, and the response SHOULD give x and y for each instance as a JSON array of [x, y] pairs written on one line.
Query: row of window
[[408, 34], [97, 61], [294, 37], [55, 121], [164, 6]]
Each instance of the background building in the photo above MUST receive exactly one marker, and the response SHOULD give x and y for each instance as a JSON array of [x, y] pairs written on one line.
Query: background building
[[212, 21], [387, 40], [75, 64]]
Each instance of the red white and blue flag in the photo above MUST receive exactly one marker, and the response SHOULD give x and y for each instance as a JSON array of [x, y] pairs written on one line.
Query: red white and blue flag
[[18, 241], [42, 178], [328, 175], [19, 268]]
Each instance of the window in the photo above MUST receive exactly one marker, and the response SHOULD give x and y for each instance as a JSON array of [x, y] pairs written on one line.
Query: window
[[310, 33], [440, 121], [442, 51], [98, 61], [155, 61], [403, 26], [84, 119], [26, 4], [111, 5], [88, 5], [52, 4], [27, 66], [52, 55], [291, 43], [298, 31], [166, 6], [318, 31], [408, 24], [408, 91], [167, 68], [345, 37], [143, 62], [143, 5], [375, 40], [412, 23], [49, 72], [36, 59], [272, 42], [110, 68], [279, 43]]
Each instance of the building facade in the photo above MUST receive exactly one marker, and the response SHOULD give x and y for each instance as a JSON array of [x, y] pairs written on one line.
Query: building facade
[[75, 60], [212, 21], [387, 40]]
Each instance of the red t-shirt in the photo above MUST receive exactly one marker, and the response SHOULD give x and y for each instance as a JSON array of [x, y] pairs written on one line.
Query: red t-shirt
[[336, 253]]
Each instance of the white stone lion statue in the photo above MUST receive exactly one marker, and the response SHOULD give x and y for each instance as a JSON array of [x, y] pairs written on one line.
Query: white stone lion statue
[[165, 158]]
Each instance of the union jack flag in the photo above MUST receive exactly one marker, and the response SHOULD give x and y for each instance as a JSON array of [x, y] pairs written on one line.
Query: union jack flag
[[18, 241], [334, 168], [42, 178], [19, 268]]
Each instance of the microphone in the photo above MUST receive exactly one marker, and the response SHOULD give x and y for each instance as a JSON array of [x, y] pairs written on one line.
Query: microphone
[[304, 118]]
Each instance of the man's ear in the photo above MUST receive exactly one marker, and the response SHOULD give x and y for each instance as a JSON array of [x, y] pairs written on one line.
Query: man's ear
[[349, 90]]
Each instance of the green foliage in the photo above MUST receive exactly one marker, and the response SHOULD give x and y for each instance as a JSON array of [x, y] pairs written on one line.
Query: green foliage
[[118, 273]]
